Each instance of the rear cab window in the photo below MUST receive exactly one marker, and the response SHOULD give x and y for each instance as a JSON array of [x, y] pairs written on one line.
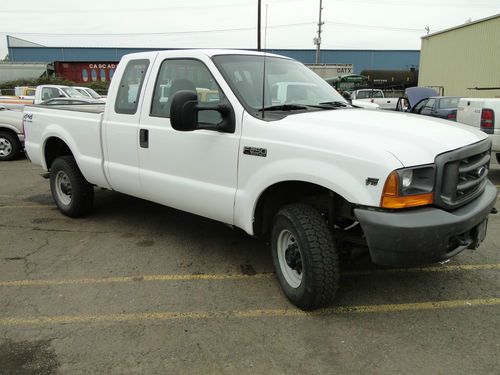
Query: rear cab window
[[131, 83]]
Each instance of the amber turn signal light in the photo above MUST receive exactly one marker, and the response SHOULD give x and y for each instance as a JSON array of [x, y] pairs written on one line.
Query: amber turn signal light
[[391, 197]]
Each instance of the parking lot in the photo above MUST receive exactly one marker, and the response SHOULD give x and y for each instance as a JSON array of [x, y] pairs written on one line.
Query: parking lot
[[140, 288]]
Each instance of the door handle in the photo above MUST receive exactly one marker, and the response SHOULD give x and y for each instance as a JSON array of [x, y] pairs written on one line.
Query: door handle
[[144, 138]]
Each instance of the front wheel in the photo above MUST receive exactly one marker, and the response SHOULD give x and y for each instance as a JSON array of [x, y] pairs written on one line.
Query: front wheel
[[73, 195], [304, 256]]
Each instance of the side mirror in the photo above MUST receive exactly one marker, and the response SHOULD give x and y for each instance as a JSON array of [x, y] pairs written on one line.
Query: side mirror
[[184, 113]]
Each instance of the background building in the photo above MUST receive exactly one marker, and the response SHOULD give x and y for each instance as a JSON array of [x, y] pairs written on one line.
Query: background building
[[82, 64], [464, 60]]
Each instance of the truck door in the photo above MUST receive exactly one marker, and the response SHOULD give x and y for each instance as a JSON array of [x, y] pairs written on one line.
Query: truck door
[[195, 171], [120, 131]]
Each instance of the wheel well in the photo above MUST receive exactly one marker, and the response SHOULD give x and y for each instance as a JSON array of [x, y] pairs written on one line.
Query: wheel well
[[8, 130], [54, 148], [334, 207]]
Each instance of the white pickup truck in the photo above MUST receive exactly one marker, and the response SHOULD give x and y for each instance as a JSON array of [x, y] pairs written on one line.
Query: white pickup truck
[[11, 131], [199, 130], [375, 96], [44, 93], [482, 113]]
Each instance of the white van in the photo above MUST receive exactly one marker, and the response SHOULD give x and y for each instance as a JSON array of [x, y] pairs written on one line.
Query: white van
[[483, 113]]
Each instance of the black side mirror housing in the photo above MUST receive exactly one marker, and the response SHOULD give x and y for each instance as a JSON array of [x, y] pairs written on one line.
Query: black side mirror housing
[[184, 113]]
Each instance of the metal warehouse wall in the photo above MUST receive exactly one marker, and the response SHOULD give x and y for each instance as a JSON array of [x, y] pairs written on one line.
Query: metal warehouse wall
[[463, 58], [361, 59]]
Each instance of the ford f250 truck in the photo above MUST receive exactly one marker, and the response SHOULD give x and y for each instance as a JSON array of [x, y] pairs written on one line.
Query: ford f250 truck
[[314, 175]]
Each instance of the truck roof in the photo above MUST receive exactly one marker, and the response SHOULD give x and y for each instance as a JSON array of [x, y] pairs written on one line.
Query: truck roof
[[207, 52]]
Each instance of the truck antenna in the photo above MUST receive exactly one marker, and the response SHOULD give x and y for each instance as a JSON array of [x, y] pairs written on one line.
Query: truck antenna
[[264, 67]]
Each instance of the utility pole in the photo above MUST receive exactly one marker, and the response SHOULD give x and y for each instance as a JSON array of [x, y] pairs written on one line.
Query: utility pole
[[258, 25], [317, 40]]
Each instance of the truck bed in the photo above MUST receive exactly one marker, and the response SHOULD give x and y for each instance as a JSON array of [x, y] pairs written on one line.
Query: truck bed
[[89, 108], [68, 122]]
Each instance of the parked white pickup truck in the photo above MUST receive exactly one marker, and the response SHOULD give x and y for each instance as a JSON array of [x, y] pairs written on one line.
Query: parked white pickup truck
[[314, 175], [44, 93], [11, 131], [375, 96], [483, 113]]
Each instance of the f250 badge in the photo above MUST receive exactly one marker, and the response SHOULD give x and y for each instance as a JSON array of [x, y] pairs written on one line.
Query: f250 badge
[[255, 151]]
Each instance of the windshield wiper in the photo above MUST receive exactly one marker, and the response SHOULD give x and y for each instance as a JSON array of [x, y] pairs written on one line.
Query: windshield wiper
[[283, 107], [334, 104]]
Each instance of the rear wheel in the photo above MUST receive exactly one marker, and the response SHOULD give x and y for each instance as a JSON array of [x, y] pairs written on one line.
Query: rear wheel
[[304, 256], [9, 146], [73, 195], [498, 157]]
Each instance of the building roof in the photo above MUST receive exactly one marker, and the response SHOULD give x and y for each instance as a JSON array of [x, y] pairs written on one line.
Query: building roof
[[461, 26]]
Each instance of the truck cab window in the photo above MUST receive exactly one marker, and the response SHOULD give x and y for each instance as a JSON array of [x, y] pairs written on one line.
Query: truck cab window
[[130, 87], [186, 74]]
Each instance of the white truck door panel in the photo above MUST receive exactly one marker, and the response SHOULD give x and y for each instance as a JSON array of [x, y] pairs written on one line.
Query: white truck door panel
[[194, 171], [121, 130]]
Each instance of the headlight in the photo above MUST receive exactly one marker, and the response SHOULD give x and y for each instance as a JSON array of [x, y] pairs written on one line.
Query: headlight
[[409, 187]]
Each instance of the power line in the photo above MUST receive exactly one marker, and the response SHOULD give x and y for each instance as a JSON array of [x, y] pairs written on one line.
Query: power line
[[140, 10], [375, 27], [336, 23], [159, 33], [451, 3]]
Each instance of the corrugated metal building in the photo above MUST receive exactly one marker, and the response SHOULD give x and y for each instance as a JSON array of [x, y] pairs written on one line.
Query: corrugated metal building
[[464, 60], [24, 51]]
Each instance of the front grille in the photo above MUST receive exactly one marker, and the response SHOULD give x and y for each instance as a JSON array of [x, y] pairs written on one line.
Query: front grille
[[461, 175]]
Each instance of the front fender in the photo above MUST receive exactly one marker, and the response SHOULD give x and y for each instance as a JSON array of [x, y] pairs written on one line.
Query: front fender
[[351, 186]]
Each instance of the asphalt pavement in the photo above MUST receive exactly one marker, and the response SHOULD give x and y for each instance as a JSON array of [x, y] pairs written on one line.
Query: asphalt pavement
[[138, 288]]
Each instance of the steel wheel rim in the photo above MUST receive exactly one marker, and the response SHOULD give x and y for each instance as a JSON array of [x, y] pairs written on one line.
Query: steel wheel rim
[[5, 147], [63, 188], [286, 239]]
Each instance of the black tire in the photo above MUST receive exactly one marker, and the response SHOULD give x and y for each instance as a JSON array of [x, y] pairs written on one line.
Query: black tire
[[10, 147], [73, 195], [498, 157], [319, 259]]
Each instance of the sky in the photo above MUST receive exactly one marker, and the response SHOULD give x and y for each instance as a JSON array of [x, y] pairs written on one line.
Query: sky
[[291, 24]]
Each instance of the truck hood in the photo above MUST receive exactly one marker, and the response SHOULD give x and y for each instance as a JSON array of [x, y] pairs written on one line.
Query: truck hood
[[412, 139], [416, 94]]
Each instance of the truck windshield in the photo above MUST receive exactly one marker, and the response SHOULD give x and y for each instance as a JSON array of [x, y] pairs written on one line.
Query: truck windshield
[[288, 84], [72, 93]]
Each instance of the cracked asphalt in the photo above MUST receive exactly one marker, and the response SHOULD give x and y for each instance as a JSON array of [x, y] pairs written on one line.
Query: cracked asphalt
[[137, 288]]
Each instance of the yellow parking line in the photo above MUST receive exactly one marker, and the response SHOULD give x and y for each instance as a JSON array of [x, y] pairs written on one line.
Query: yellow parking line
[[126, 279], [28, 206], [259, 313], [218, 277]]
